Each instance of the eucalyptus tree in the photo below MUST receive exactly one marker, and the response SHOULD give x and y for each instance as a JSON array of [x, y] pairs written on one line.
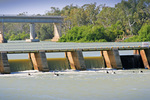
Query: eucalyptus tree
[[91, 10], [134, 13], [107, 16]]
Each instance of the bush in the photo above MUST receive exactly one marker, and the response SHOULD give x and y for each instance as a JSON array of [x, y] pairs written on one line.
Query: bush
[[144, 35], [84, 34]]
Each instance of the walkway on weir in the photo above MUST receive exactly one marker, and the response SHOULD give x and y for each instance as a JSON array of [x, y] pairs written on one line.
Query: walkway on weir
[[22, 47]]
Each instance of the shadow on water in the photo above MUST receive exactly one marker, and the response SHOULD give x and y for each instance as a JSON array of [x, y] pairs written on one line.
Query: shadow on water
[[132, 61]]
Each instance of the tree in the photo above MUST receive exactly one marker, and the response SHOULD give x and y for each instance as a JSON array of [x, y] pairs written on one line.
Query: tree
[[91, 11], [54, 11], [144, 34], [107, 16], [133, 14], [46, 32]]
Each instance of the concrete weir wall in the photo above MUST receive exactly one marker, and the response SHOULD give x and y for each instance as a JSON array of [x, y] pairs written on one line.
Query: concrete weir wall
[[39, 61], [145, 56], [4, 65], [75, 59], [112, 59]]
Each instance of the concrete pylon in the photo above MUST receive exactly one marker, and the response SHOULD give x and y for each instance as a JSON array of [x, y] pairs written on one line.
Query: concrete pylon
[[136, 52], [76, 60], [39, 61], [57, 31], [145, 55], [112, 59], [32, 34], [4, 65], [2, 39]]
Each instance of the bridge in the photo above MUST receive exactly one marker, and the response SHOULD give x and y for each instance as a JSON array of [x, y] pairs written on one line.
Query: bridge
[[56, 20], [73, 52]]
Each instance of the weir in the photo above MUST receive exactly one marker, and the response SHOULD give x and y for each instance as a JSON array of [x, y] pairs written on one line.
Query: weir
[[76, 60], [39, 61], [73, 52], [112, 58], [4, 65], [145, 55]]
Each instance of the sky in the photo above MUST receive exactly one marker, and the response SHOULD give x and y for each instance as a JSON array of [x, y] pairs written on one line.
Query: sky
[[8, 7]]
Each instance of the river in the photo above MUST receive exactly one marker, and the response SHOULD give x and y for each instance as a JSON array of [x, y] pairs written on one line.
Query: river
[[76, 85]]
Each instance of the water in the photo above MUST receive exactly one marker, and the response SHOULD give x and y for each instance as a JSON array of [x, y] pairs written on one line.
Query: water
[[76, 85], [54, 64]]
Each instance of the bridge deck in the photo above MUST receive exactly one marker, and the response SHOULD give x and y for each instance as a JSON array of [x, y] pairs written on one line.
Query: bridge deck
[[24, 47], [31, 19]]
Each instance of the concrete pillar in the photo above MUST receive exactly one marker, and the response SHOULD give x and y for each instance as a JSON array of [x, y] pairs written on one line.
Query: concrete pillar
[[32, 34], [101, 52], [112, 59], [4, 65], [32, 31], [57, 31], [2, 39], [136, 52], [39, 61], [76, 60], [145, 55]]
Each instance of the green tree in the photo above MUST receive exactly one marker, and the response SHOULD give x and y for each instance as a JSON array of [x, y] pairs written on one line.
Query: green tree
[[85, 34], [107, 16], [133, 13], [144, 35], [46, 32]]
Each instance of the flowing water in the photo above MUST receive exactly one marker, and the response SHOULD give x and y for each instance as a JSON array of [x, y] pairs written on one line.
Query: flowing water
[[54, 64], [76, 85]]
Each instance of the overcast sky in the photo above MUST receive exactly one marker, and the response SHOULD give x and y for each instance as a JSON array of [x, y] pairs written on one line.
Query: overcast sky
[[42, 6]]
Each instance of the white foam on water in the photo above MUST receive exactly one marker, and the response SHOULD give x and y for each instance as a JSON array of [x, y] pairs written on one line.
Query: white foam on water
[[69, 71]]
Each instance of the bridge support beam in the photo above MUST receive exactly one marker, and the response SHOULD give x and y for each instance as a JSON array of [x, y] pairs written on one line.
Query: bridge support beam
[[4, 65], [112, 59], [32, 34], [136, 52], [2, 39], [76, 60], [57, 31], [145, 55], [39, 61]]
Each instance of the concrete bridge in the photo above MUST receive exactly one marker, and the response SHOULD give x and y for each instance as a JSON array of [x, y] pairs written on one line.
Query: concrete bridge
[[56, 20], [73, 52]]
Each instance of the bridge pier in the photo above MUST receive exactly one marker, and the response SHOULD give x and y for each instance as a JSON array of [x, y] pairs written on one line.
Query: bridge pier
[[4, 65], [136, 52], [76, 60], [57, 31], [39, 61], [112, 59], [32, 34], [2, 39], [145, 55]]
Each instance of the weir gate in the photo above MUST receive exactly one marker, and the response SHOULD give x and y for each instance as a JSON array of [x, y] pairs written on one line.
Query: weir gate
[[73, 52]]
